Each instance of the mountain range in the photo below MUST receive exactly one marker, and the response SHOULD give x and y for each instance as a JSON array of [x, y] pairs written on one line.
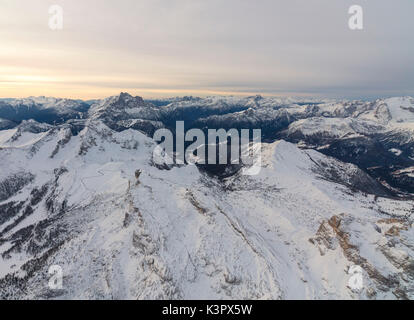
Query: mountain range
[[335, 190]]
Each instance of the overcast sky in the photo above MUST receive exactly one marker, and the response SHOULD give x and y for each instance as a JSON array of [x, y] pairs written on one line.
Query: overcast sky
[[200, 47]]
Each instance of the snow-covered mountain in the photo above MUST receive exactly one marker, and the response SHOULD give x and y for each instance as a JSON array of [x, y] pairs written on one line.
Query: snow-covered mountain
[[42, 109], [124, 112], [334, 191]]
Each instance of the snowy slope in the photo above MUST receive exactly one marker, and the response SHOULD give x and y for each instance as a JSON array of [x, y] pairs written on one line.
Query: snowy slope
[[401, 109]]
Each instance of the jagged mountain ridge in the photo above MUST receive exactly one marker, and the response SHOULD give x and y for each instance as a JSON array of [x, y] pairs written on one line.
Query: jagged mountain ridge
[[42, 109]]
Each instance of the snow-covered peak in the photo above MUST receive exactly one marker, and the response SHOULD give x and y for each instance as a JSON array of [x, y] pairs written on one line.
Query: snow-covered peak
[[123, 100], [401, 109], [124, 107], [60, 104], [397, 111], [33, 126], [334, 127]]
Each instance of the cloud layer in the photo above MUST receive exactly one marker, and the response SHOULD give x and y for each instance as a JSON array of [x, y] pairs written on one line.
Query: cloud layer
[[176, 47]]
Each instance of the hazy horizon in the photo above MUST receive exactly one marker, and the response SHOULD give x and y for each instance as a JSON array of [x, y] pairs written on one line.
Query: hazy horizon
[[166, 96], [158, 49]]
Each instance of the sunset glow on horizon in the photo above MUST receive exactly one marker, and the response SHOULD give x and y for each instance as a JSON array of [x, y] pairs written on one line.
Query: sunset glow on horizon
[[182, 47]]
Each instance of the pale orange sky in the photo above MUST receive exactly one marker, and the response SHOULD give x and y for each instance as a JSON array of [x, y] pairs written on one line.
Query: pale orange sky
[[157, 48]]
